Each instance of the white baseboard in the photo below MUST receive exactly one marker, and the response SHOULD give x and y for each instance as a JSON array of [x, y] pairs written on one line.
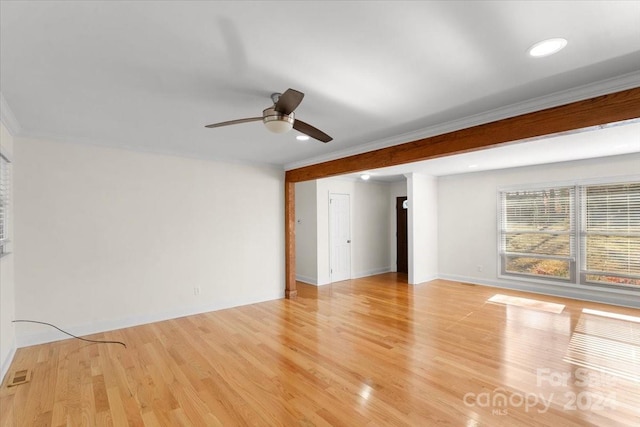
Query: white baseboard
[[49, 334], [593, 295], [323, 283], [25, 339], [7, 362], [356, 275], [307, 280], [426, 279], [372, 272]]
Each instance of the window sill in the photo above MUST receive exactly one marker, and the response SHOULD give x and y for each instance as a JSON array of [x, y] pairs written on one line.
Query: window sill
[[570, 285]]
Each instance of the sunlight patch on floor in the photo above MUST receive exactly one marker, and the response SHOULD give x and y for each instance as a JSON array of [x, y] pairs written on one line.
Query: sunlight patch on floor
[[612, 315], [605, 342], [527, 303]]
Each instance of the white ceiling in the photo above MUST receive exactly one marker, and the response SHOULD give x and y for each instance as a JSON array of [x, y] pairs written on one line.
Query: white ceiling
[[149, 75]]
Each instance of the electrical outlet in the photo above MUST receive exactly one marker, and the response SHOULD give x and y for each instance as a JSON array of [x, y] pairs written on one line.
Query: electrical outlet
[[196, 291], [480, 268]]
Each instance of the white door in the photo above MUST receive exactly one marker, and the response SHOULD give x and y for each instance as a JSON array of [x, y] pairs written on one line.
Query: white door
[[339, 237]]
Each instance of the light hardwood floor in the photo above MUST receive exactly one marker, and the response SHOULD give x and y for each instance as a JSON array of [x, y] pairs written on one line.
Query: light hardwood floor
[[371, 351]]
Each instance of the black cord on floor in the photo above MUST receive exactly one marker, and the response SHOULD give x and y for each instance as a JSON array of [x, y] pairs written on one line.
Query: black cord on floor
[[71, 335]]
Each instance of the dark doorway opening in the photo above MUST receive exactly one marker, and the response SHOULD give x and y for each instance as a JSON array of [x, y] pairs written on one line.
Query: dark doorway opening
[[402, 246]]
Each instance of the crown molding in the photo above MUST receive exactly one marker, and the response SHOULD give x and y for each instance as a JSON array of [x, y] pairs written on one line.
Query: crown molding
[[8, 118], [580, 93]]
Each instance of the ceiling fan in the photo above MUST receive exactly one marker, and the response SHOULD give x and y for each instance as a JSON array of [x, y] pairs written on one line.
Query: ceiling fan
[[280, 117]]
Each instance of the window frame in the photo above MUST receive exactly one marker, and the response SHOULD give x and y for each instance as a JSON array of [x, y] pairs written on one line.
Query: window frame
[[583, 251], [577, 272], [503, 255]]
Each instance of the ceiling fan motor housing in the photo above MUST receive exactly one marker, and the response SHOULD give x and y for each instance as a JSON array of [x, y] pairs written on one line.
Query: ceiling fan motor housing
[[277, 122]]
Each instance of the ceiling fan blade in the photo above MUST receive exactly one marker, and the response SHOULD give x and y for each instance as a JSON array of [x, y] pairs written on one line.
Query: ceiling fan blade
[[307, 129], [234, 122], [289, 101]]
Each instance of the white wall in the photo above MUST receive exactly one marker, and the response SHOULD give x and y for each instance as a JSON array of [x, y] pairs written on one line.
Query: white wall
[[467, 211], [108, 238], [7, 283], [396, 189], [422, 227], [306, 232]]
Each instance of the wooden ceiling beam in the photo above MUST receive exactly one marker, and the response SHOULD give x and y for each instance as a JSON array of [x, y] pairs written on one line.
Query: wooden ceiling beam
[[601, 110]]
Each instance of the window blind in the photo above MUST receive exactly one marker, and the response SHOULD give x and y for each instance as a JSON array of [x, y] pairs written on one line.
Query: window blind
[[610, 234], [538, 232]]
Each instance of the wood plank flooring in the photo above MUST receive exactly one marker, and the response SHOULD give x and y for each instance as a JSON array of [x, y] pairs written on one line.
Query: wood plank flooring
[[364, 352]]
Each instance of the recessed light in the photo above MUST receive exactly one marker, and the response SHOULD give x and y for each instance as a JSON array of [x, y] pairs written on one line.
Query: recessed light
[[365, 176], [473, 166], [302, 137], [547, 47]]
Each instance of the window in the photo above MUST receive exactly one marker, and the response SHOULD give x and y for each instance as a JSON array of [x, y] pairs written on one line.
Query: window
[[538, 233], [4, 203], [539, 238], [610, 234]]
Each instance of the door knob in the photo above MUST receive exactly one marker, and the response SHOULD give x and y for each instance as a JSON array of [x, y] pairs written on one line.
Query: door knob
[[348, 241]]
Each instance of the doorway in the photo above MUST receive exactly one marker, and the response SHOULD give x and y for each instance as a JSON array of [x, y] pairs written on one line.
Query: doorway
[[402, 245], [339, 237]]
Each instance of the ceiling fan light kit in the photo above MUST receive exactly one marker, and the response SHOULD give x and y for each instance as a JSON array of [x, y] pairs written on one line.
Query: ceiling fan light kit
[[277, 122], [280, 117]]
